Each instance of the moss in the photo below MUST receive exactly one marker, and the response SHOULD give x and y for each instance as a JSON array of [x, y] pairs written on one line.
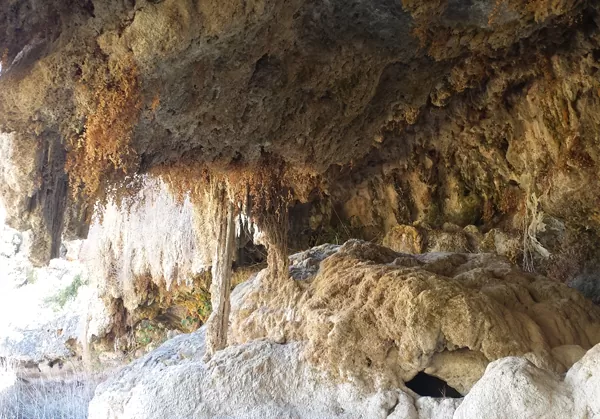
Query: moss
[[69, 293]]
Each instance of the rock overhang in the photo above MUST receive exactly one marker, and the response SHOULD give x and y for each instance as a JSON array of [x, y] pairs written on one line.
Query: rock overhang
[[344, 92]]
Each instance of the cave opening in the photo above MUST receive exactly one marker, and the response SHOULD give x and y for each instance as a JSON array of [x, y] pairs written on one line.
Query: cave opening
[[429, 386]]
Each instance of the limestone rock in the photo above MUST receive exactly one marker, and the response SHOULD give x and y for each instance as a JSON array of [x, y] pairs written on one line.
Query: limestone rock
[[568, 355], [584, 380], [260, 379], [503, 244], [404, 239], [447, 241], [305, 265], [514, 388], [372, 312], [369, 99], [452, 238], [47, 314], [458, 367], [437, 408]]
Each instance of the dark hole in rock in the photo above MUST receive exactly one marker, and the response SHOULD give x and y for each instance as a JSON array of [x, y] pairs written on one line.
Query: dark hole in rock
[[248, 253], [429, 386]]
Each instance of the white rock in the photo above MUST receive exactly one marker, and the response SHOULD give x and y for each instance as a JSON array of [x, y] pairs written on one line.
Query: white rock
[[405, 409], [437, 408], [514, 388], [260, 379], [584, 379], [43, 310]]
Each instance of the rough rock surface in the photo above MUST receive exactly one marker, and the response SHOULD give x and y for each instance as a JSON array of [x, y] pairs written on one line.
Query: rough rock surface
[[584, 380], [260, 379], [370, 311], [515, 388], [47, 314], [440, 111]]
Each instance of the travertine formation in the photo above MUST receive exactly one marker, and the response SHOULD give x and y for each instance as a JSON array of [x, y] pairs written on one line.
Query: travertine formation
[[263, 379], [454, 126], [372, 313], [384, 113]]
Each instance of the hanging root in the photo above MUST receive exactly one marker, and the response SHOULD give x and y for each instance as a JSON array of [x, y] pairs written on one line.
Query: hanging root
[[268, 199], [262, 193], [533, 223], [258, 195]]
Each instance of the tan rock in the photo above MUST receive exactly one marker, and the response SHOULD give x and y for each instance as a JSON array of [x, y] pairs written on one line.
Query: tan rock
[[502, 244], [365, 315], [447, 241], [568, 355], [458, 367], [404, 239]]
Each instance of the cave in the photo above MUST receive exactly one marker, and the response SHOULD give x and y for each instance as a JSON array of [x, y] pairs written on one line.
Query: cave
[[429, 386], [410, 182]]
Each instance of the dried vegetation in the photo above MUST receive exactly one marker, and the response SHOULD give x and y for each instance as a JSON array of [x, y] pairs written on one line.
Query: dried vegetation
[[103, 153]]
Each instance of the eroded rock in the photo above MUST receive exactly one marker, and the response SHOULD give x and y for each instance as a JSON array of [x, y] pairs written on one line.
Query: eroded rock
[[513, 387], [260, 379], [266, 379], [370, 313]]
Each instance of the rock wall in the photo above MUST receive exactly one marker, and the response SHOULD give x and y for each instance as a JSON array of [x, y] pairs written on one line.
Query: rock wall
[[382, 114], [265, 379], [378, 316]]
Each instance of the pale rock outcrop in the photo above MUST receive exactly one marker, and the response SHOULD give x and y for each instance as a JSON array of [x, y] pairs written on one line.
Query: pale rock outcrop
[[47, 314], [372, 313], [17, 176], [437, 408], [260, 379], [405, 239], [454, 313], [584, 380], [452, 238], [514, 388]]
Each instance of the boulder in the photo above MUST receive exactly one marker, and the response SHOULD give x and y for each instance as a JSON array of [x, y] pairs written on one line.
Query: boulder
[[514, 388], [437, 408], [261, 379], [584, 380], [374, 314], [404, 239]]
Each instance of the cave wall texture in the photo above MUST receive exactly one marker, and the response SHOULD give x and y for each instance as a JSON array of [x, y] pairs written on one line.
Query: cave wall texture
[[369, 113]]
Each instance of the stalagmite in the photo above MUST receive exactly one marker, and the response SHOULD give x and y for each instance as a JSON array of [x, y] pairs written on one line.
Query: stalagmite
[[216, 333]]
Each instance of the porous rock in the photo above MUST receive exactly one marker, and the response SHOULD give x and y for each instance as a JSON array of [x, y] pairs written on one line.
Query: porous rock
[[260, 379], [372, 312]]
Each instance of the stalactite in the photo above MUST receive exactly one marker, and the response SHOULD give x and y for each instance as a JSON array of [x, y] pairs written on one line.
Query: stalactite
[[275, 228], [218, 322]]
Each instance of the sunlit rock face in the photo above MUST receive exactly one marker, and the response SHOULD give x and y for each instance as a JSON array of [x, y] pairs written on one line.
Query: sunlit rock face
[[359, 315], [471, 113], [372, 314], [49, 314]]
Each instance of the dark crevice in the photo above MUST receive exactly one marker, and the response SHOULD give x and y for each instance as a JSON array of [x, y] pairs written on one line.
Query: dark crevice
[[429, 386]]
